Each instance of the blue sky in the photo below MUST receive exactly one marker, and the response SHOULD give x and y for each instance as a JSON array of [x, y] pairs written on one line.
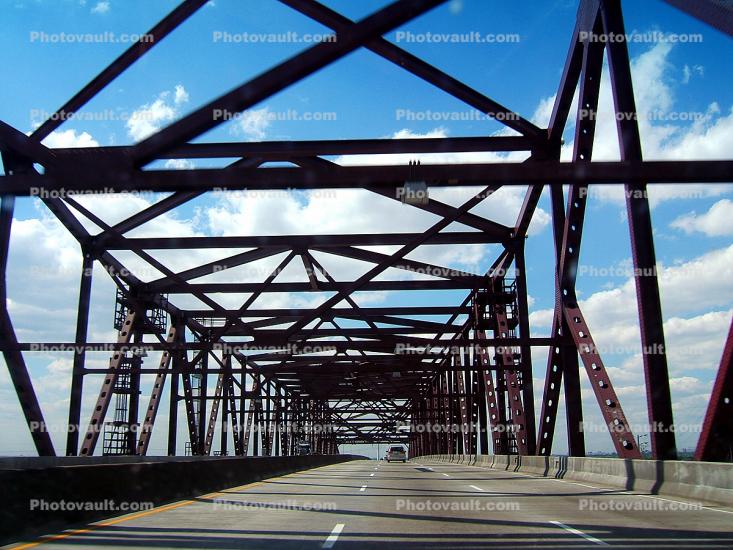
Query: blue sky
[[361, 96]]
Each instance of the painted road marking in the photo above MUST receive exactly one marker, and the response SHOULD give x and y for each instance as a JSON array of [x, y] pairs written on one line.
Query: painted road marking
[[581, 484], [579, 533], [477, 488], [94, 526], [446, 475], [334, 536], [371, 475], [679, 502], [363, 488], [157, 510], [717, 510]]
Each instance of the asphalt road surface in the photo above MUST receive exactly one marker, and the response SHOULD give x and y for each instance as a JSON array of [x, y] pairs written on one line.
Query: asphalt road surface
[[370, 504]]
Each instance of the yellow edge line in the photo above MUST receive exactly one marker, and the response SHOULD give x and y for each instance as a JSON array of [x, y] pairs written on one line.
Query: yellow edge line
[[94, 526]]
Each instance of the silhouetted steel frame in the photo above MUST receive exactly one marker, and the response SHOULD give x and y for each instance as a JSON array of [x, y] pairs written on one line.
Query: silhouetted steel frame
[[119, 167]]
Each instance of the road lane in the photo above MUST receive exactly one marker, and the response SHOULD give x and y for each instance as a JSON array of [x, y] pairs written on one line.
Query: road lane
[[364, 504]]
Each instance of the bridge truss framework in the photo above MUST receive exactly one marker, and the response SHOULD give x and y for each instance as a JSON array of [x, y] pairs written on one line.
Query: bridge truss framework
[[473, 370]]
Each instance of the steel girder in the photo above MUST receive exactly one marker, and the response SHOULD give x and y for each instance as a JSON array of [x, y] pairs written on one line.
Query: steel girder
[[718, 13], [13, 358], [384, 177], [716, 439], [659, 400]]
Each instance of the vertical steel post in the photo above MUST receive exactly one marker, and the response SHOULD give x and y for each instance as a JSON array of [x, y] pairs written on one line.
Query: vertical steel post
[[77, 373], [8, 341], [483, 427], [716, 439], [179, 361], [659, 399], [202, 424], [225, 397], [525, 350], [134, 403]]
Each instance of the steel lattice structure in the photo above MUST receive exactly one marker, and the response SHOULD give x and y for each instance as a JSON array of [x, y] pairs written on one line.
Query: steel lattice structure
[[475, 369]]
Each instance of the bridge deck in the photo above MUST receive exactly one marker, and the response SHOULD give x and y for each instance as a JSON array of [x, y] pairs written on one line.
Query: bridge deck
[[365, 504]]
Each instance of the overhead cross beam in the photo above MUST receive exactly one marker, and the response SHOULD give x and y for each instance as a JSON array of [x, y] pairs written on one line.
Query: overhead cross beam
[[387, 177]]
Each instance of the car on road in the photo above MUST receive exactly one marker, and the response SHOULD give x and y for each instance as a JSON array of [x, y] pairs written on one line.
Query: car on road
[[396, 453]]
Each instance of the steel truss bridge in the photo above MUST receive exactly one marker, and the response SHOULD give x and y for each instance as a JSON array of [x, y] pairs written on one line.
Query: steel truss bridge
[[252, 371]]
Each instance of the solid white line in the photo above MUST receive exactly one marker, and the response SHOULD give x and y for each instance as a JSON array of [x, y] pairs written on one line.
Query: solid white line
[[579, 533], [363, 488], [658, 498], [334, 536], [680, 502], [581, 484], [717, 510], [543, 478], [477, 488]]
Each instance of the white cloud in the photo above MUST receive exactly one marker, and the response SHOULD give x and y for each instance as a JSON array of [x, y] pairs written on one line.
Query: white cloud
[[503, 206], [667, 131], [149, 118], [179, 164], [698, 285], [253, 123], [543, 112], [101, 8], [697, 301], [455, 6], [716, 222], [360, 211], [688, 72], [69, 138], [696, 294], [541, 318], [180, 95]]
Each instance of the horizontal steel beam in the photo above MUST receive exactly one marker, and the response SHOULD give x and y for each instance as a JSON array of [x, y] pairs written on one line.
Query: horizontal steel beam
[[284, 371], [71, 347], [346, 177], [298, 241], [310, 148], [229, 288], [338, 312], [358, 332]]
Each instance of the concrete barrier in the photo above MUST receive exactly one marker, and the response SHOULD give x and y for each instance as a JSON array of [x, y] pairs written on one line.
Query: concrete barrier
[[123, 481], [38, 462], [703, 481]]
